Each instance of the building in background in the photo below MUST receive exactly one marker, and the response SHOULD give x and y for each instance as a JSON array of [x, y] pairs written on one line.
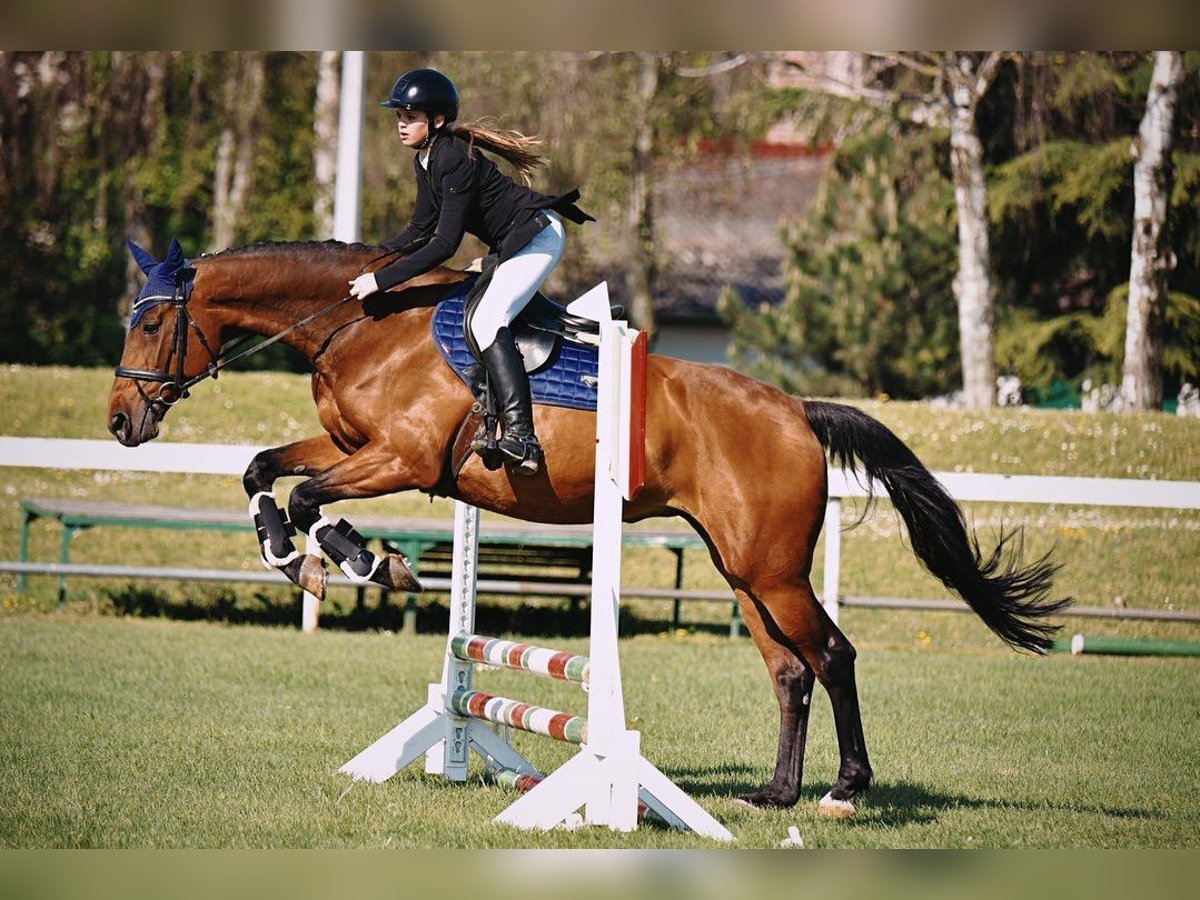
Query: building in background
[[719, 220]]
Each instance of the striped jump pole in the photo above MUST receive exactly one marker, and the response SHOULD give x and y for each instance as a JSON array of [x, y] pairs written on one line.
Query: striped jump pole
[[523, 657], [514, 714], [608, 778]]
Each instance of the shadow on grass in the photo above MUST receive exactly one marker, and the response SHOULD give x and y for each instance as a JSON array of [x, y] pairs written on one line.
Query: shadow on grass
[[903, 803], [888, 804], [547, 618]]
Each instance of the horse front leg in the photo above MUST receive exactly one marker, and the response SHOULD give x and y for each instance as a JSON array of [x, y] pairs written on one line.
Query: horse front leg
[[370, 472], [307, 457]]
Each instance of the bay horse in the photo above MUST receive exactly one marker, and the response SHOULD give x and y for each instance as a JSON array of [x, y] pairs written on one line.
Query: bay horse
[[743, 462]]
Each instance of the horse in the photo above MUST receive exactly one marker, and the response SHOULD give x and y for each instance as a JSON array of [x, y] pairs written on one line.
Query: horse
[[740, 460]]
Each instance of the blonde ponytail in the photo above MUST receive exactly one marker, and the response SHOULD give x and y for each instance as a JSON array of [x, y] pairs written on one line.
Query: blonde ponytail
[[517, 148]]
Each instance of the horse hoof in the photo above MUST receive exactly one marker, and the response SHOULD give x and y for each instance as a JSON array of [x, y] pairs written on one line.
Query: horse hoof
[[835, 809], [401, 576], [310, 576]]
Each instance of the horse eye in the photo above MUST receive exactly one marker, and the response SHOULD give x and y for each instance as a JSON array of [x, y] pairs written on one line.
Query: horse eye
[[151, 327]]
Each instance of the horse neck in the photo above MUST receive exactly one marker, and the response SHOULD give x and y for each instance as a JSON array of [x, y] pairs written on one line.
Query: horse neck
[[267, 294]]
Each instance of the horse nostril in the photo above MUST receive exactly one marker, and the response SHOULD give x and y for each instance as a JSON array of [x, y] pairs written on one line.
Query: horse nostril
[[119, 425]]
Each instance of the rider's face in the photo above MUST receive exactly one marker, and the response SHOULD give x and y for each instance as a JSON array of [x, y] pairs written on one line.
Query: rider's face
[[413, 126]]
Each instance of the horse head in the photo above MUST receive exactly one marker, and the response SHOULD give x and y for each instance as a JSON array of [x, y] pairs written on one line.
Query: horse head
[[164, 348]]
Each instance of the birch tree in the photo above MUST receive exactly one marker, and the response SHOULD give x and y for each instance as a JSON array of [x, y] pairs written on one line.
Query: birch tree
[[940, 90], [243, 92], [325, 133], [1151, 258], [643, 269]]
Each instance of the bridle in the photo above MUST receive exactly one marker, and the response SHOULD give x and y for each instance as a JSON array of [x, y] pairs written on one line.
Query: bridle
[[174, 385]]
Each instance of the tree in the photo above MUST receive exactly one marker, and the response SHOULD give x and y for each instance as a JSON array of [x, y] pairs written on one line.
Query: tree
[[941, 90], [1062, 205], [219, 148], [967, 79], [242, 99], [97, 147], [325, 137], [1151, 258], [642, 271], [868, 307]]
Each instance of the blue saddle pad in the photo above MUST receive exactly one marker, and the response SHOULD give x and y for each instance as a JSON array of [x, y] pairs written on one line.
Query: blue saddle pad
[[567, 379]]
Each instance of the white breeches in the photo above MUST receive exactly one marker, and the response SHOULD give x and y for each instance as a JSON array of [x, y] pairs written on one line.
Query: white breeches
[[516, 280]]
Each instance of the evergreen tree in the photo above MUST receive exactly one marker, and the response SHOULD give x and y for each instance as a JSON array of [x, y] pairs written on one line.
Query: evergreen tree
[[869, 305], [1062, 209]]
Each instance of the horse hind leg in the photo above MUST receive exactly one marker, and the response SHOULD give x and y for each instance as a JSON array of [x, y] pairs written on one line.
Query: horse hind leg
[[792, 680], [791, 619]]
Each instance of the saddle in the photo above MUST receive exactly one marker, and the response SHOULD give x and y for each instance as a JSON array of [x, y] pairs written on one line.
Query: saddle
[[540, 326], [557, 343]]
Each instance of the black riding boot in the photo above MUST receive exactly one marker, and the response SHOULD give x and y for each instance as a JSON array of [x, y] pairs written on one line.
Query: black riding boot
[[510, 387]]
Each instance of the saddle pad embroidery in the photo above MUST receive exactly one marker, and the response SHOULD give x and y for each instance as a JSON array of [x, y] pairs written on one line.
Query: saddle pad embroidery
[[561, 382]]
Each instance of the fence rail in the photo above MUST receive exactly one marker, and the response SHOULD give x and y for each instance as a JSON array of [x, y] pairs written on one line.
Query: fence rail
[[226, 459]]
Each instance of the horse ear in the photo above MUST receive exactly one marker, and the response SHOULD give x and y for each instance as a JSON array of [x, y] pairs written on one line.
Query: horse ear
[[174, 259], [145, 261]]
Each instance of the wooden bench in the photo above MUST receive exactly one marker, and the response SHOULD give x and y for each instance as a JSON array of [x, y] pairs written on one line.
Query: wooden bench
[[507, 549]]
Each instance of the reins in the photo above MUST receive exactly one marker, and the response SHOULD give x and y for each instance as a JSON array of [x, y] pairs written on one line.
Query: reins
[[216, 367], [176, 382]]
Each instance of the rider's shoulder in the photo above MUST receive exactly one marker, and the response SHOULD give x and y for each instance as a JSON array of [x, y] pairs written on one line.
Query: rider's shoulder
[[448, 151]]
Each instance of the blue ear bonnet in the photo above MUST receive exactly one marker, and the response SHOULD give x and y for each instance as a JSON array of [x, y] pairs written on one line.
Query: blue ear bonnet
[[163, 277]]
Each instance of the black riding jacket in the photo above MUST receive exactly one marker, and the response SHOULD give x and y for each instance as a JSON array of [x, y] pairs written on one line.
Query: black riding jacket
[[463, 191]]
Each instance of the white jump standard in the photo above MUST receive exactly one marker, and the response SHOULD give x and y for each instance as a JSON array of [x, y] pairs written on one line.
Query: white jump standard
[[608, 778]]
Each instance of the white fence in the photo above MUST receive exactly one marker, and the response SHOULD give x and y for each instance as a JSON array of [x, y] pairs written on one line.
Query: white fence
[[225, 459]]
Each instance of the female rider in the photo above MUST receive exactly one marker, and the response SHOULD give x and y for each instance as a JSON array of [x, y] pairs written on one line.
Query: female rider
[[460, 190]]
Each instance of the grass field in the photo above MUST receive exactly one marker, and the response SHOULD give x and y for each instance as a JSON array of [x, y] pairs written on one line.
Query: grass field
[[147, 732], [125, 733]]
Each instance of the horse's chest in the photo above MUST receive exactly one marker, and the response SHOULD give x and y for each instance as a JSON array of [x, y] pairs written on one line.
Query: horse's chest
[[371, 403]]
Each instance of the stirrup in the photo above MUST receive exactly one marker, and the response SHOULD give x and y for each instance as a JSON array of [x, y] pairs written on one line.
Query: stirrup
[[522, 454]]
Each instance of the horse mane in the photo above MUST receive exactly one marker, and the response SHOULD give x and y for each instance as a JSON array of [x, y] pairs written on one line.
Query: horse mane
[[310, 252], [262, 248]]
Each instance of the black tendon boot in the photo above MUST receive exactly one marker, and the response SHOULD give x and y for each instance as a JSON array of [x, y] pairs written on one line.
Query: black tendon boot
[[510, 386]]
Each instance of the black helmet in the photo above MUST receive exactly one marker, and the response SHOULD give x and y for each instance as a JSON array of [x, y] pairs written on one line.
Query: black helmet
[[425, 89]]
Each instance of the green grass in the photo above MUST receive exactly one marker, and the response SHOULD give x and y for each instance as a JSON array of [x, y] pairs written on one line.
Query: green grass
[[151, 733], [125, 733]]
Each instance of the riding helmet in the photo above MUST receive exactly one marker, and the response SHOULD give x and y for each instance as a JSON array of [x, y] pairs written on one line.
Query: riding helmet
[[427, 90]]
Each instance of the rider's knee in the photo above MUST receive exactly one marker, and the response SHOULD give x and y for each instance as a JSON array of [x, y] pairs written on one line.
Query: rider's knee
[[484, 327]]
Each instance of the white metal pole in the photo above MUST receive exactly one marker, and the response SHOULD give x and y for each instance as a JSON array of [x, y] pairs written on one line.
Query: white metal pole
[[613, 800], [457, 674], [606, 708], [348, 192], [311, 607]]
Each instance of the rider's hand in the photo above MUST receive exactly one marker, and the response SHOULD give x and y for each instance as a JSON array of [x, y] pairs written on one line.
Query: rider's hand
[[364, 286]]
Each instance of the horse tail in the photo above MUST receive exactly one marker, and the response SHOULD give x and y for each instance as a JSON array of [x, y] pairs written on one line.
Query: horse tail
[[1012, 599]]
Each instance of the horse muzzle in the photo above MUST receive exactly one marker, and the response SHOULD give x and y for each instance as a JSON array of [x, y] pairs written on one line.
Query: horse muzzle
[[131, 431]]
